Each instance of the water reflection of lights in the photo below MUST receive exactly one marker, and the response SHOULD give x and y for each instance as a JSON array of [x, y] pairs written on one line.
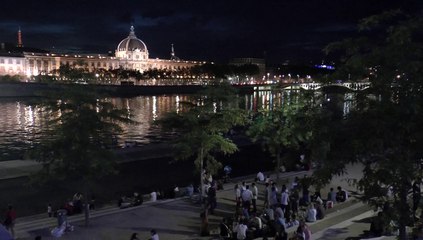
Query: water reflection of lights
[[29, 118], [154, 108], [24, 124], [18, 113], [177, 104]]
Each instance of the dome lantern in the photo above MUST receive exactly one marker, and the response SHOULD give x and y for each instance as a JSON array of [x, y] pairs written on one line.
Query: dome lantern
[[131, 44]]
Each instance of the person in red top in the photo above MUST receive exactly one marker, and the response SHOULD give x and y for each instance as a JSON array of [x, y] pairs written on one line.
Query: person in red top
[[9, 222]]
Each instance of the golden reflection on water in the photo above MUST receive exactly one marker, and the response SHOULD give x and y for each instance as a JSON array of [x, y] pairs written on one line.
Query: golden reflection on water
[[144, 110], [22, 124]]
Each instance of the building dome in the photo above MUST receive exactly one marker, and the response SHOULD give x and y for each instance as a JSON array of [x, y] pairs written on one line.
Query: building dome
[[131, 43], [132, 48]]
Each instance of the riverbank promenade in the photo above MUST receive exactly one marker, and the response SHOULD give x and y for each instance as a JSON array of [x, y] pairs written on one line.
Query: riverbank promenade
[[179, 218]]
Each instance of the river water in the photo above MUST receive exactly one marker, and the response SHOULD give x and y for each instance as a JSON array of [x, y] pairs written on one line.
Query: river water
[[21, 124]]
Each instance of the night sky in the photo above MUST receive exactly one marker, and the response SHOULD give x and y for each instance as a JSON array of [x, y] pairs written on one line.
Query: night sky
[[214, 30]]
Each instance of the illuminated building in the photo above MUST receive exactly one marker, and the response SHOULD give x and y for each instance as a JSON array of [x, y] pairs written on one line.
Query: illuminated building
[[131, 53]]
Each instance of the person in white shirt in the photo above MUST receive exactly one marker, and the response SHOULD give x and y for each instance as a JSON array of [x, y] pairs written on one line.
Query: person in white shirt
[[247, 197], [273, 199], [153, 196], [243, 186], [241, 232], [260, 176], [311, 213], [284, 198], [255, 195], [154, 235]]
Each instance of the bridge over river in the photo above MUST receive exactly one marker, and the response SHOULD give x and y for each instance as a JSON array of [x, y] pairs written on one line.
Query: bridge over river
[[355, 86]]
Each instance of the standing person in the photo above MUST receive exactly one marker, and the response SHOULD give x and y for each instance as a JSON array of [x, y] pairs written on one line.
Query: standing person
[[243, 186], [154, 235], [295, 183], [294, 199], [331, 195], [212, 201], [266, 195], [237, 191], [247, 197], [255, 195], [77, 202], [9, 221], [273, 200], [284, 198], [49, 210]]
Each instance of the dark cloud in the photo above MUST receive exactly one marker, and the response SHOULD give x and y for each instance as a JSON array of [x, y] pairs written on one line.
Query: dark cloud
[[200, 29]]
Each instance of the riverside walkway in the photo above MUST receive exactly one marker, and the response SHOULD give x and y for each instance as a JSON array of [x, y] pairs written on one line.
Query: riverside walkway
[[180, 218]]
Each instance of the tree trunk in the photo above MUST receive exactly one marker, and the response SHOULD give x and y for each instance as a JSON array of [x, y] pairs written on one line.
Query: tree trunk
[[204, 215], [201, 175]]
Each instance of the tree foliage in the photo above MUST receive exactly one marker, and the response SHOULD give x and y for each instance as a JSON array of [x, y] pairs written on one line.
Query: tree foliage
[[385, 132], [81, 128], [10, 79], [283, 129], [75, 73], [202, 124]]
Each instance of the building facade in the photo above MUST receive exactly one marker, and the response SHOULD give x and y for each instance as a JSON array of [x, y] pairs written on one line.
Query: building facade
[[131, 53]]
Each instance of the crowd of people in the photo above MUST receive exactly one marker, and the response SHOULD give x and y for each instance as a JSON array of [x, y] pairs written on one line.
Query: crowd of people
[[284, 207], [287, 207]]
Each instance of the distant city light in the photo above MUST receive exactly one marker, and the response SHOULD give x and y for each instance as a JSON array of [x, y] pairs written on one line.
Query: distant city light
[[324, 66]]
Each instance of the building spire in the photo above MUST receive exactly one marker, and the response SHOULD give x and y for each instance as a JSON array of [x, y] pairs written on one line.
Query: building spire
[[20, 44], [132, 32], [172, 54]]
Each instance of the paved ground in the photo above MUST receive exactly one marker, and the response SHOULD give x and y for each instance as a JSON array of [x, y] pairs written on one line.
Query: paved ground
[[179, 218]]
